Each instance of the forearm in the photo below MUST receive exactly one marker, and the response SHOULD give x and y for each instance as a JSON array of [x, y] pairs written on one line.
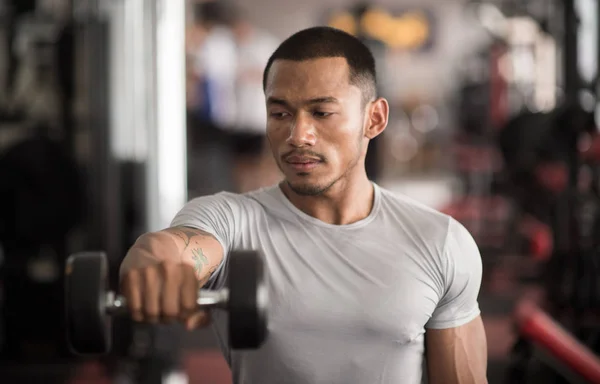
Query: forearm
[[460, 370], [177, 245], [457, 355]]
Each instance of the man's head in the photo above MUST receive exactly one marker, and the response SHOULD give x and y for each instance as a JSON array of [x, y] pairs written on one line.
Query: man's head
[[320, 87]]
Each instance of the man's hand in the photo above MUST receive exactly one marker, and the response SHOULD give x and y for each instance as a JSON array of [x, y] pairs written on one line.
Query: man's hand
[[163, 271], [164, 292], [457, 355]]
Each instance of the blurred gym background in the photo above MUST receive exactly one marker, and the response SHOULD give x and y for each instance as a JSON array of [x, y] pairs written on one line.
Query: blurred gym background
[[113, 113]]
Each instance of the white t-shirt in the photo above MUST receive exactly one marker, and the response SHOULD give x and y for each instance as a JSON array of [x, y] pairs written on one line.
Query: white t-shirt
[[349, 304]]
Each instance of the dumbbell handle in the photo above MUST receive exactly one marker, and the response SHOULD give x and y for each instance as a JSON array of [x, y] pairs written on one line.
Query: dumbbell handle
[[206, 300]]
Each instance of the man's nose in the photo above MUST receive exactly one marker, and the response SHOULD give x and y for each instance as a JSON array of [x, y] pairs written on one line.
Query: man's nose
[[302, 133]]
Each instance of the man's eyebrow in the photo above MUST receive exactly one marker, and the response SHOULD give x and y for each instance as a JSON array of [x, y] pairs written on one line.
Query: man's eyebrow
[[274, 100], [322, 100], [316, 100]]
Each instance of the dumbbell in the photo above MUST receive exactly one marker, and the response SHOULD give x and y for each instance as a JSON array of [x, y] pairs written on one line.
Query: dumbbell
[[90, 306]]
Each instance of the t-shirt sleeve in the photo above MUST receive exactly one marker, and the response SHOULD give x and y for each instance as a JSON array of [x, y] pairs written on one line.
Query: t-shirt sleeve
[[215, 214], [462, 280]]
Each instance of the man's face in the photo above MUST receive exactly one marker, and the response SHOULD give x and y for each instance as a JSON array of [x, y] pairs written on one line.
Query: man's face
[[315, 123]]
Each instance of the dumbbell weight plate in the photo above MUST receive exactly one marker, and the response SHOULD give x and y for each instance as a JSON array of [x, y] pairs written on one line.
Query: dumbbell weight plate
[[88, 325], [248, 300]]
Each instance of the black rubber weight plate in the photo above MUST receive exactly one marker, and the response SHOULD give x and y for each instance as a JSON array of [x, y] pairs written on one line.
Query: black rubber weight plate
[[248, 300], [88, 325]]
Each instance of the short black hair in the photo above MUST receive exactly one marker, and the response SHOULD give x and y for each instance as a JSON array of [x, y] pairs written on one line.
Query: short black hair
[[325, 42]]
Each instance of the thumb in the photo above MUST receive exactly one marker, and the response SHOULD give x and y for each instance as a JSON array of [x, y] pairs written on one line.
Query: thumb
[[198, 320]]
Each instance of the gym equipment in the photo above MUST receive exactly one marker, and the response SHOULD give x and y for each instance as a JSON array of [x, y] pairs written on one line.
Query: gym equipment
[[529, 139], [89, 304], [536, 238], [41, 197], [537, 330]]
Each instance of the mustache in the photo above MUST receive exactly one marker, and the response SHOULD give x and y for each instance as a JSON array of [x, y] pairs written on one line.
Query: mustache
[[303, 153]]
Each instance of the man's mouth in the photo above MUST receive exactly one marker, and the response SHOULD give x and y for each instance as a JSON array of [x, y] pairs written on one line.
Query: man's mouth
[[302, 163]]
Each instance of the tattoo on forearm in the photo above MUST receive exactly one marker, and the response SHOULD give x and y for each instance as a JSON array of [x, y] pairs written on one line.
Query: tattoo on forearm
[[200, 260]]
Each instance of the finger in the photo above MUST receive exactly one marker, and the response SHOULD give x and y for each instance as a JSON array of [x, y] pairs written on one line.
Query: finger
[[198, 320], [152, 288], [132, 289], [172, 281], [189, 292]]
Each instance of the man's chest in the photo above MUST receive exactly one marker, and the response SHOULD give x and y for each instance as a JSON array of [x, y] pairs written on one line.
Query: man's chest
[[327, 284]]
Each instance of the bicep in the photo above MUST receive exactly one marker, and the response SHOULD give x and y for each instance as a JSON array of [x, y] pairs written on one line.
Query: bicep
[[457, 355], [199, 249]]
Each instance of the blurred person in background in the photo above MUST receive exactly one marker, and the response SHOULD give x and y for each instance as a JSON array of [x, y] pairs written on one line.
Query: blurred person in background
[[194, 38], [253, 164], [212, 72], [228, 54], [215, 60]]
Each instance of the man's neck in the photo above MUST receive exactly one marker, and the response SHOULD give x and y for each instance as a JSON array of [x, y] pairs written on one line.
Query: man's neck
[[346, 202]]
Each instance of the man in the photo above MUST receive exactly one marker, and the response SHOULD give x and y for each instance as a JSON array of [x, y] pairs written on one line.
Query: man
[[362, 283]]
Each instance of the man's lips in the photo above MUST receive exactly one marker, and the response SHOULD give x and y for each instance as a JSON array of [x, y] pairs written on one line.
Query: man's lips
[[302, 159], [302, 163]]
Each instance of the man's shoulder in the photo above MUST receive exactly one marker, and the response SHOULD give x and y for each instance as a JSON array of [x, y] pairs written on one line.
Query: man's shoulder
[[414, 216], [225, 206], [399, 201], [235, 198]]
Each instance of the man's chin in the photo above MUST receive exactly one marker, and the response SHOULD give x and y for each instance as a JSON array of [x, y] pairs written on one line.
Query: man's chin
[[306, 188]]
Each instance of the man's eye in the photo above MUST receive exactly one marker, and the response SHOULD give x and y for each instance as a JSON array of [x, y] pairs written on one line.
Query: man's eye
[[321, 114], [279, 115]]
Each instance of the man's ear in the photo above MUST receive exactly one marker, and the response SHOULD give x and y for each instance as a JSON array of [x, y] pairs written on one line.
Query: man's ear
[[378, 114]]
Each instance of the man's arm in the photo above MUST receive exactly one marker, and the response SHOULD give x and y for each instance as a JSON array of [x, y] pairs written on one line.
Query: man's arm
[[455, 339], [457, 355], [177, 245]]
